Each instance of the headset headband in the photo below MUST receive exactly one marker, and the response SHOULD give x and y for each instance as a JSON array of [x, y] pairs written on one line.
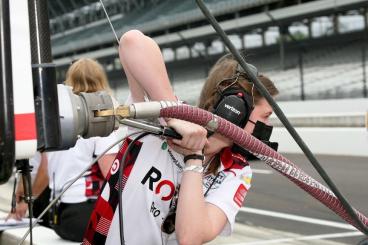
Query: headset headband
[[252, 68]]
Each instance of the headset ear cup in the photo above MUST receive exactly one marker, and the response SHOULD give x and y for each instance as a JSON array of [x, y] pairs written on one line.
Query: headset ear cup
[[240, 100], [234, 109]]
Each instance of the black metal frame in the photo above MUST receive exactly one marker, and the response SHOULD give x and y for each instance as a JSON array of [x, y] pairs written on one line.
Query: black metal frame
[[44, 77], [7, 133]]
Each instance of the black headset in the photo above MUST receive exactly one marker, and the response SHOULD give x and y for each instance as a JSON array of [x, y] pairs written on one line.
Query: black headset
[[235, 103]]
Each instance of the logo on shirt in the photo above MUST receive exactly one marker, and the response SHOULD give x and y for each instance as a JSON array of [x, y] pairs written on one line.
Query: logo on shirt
[[153, 176], [213, 181], [115, 167], [240, 195]]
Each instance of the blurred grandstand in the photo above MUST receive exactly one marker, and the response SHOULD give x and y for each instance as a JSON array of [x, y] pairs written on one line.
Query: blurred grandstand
[[311, 49]]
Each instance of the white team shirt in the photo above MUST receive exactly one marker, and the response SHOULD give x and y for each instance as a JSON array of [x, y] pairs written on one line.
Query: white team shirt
[[148, 191], [35, 163], [63, 166]]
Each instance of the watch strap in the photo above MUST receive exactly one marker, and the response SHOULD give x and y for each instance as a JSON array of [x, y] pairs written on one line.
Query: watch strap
[[194, 157]]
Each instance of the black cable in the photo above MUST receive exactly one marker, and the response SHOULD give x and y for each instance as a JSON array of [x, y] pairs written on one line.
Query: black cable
[[363, 242], [30, 206], [120, 172], [14, 197], [212, 183], [281, 115]]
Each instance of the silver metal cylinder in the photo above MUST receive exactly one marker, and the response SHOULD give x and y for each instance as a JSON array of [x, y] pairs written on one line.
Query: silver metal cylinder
[[78, 117]]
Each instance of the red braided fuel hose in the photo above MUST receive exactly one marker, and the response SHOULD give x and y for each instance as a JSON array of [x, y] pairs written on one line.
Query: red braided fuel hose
[[267, 154]]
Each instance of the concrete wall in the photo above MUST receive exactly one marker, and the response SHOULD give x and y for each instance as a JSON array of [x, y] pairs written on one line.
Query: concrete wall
[[327, 140]]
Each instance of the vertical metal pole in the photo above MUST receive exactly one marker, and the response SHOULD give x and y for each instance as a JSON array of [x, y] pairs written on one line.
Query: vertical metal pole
[[44, 77], [190, 51], [335, 22], [301, 73], [263, 33], [309, 25], [25, 169], [364, 70], [207, 45], [365, 93], [175, 54], [7, 137], [282, 47]]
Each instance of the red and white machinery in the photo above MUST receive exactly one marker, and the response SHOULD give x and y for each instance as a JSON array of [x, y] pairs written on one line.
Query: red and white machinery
[[35, 112]]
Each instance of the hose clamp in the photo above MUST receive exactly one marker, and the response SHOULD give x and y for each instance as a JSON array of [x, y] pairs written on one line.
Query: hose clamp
[[212, 125]]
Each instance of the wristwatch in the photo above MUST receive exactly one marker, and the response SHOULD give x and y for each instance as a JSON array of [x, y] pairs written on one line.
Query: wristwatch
[[194, 168]]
